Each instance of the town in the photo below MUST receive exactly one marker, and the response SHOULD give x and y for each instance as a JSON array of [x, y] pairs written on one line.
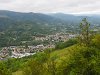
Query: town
[[22, 51]]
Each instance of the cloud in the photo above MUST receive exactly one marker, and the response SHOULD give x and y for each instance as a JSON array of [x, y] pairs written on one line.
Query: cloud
[[45, 6], [6, 1]]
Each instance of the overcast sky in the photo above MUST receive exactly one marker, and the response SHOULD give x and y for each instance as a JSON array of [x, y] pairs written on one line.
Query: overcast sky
[[50, 6]]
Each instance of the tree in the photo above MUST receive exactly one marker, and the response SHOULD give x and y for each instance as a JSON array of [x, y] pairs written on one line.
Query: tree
[[84, 33], [3, 69], [68, 43], [96, 41], [34, 67]]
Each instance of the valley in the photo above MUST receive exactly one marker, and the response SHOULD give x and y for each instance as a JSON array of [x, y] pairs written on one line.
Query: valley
[[49, 44]]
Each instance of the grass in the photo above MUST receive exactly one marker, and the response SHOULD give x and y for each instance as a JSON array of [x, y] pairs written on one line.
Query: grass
[[60, 55], [64, 52], [17, 73]]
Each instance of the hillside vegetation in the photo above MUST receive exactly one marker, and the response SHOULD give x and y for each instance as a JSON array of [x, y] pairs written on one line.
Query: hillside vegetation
[[69, 58], [73, 60]]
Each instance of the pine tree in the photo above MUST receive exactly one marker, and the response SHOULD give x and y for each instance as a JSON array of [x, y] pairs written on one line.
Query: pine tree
[[84, 33]]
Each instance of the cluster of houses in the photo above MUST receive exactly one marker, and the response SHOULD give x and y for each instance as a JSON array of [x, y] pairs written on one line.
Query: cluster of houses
[[4, 53], [57, 37], [21, 51]]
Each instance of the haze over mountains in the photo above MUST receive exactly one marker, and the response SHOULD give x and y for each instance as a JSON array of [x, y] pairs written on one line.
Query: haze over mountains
[[44, 17], [8, 18], [52, 17]]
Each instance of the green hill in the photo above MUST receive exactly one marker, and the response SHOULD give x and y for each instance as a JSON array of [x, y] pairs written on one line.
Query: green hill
[[74, 60]]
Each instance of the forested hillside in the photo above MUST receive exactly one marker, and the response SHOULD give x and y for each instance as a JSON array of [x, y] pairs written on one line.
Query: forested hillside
[[17, 27]]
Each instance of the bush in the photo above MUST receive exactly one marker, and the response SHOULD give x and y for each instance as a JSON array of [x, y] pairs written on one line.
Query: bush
[[68, 43], [84, 62], [4, 70], [34, 67], [96, 41]]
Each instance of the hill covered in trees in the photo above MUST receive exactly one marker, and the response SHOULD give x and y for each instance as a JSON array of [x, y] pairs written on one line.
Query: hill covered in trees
[[41, 23], [18, 26], [11, 18]]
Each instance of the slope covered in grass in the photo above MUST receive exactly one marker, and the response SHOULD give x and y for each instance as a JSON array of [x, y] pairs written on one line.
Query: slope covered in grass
[[77, 60], [74, 60]]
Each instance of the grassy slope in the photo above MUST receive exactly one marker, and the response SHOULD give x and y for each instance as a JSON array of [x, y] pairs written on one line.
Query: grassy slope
[[59, 55], [17, 73], [65, 53], [63, 57]]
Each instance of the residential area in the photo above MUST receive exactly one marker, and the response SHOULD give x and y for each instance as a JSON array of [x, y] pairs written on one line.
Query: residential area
[[22, 51]]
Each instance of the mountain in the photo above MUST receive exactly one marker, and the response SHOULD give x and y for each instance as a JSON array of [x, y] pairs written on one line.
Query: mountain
[[93, 18], [48, 19], [69, 18], [17, 20], [18, 26], [64, 16], [18, 16], [36, 21]]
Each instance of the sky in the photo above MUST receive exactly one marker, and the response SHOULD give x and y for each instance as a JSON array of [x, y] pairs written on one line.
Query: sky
[[52, 6]]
